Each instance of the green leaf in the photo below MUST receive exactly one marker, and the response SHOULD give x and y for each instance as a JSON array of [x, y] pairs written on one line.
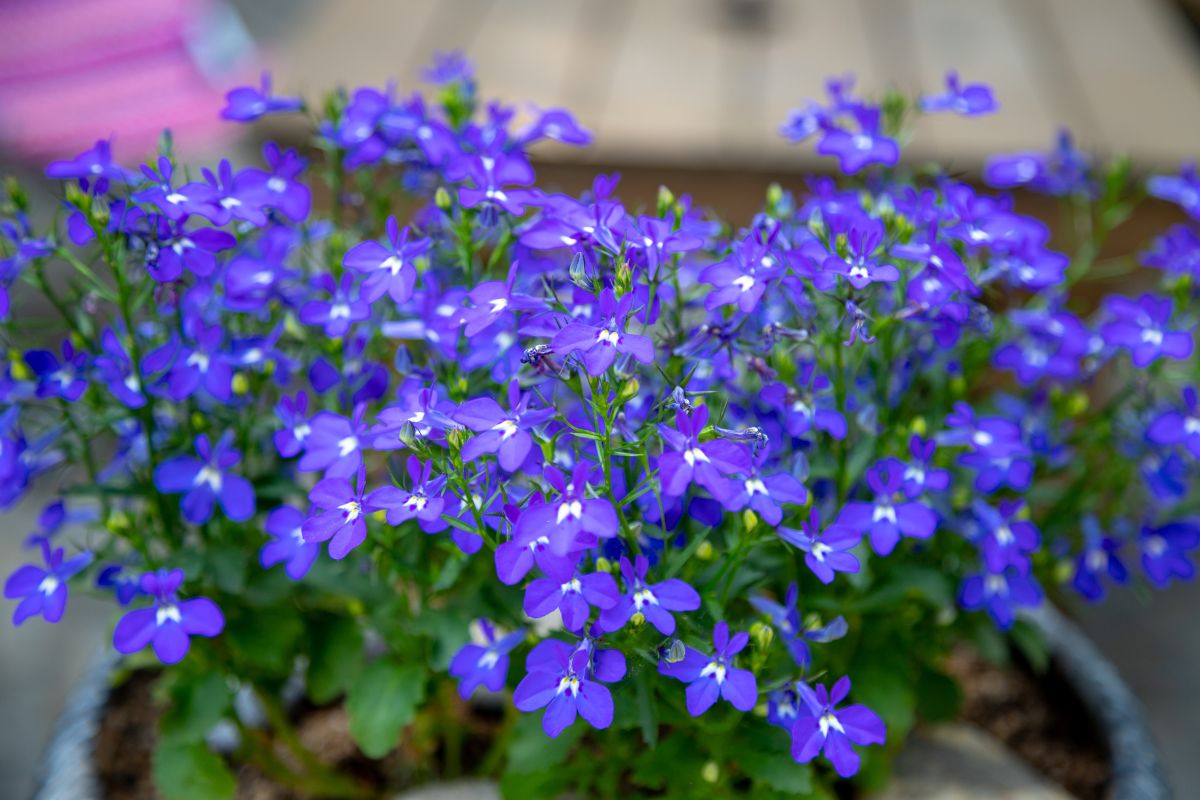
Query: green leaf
[[938, 696], [531, 750], [381, 702], [883, 683], [190, 771], [672, 760], [198, 702], [335, 658], [763, 752], [227, 567], [265, 639]]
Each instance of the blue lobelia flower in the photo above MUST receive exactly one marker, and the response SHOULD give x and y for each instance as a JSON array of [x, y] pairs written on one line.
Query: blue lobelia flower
[[1100, 556], [66, 379], [287, 544], [205, 480], [568, 681], [1004, 540], [785, 618], [766, 494], [822, 727], [1140, 326], [343, 308], [857, 149], [1183, 189], [654, 601], [600, 345], [389, 267], [972, 100], [169, 625], [885, 520], [1001, 594], [116, 369], [334, 444], [710, 678], [572, 594], [484, 663], [1165, 551], [742, 277], [826, 552], [1179, 427], [688, 461], [862, 266], [341, 516], [43, 590], [293, 413], [505, 433], [248, 103], [572, 521], [920, 475]]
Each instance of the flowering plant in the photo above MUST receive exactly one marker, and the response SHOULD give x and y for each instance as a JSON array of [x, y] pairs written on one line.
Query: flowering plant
[[673, 484]]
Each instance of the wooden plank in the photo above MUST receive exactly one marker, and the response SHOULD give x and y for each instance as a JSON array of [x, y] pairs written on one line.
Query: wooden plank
[[523, 52], [981, 40], [354, 43], [1137, 67]]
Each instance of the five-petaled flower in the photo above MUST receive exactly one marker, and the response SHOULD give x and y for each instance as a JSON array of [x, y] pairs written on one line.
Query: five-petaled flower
[[600, 345], [714, 677], [170, 623], [43, 590], [568, 680], [484, 663], [822, 727], [654, 601], [208, 479]]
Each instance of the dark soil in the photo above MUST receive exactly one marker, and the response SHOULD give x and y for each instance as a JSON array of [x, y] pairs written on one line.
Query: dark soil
[[1037, 717]]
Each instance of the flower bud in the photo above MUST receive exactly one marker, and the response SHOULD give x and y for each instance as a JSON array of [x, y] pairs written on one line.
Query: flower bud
[[637, 619], [1077, 404], [918, 426], [749, 519], [705, 551], [629, 390], [623, 282], [17, 366], [603, 565], [763, 635], [199, 421], [710, 772], [666, 199], [241, 384], [380, 515], [117, 522], [441, 199]]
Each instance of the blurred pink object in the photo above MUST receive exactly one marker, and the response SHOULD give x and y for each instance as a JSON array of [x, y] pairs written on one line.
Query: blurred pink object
[[74, 71]]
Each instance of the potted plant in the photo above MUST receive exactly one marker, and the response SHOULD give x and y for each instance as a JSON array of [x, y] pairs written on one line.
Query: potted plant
[[584, 499]]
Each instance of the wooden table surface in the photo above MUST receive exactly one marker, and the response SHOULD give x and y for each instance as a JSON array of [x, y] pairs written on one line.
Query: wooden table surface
[[706, 83]]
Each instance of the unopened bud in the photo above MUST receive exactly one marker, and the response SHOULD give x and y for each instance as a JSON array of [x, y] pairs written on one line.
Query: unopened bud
[[749, 519], [380, 515], [919, 427], [666, 199], [637, 619], [241, 384], [763, 635], [705, 551], [603, 564], [117, 522], [441, 199], [710, 772], [198, 421]]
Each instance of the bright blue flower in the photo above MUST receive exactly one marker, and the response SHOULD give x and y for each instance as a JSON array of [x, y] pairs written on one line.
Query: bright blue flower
[[484, 663], [714, 677], [208, 479], [568, 681], [43, 590]]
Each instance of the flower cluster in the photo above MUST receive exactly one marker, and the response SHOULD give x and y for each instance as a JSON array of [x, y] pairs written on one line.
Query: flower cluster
[[640, 448]]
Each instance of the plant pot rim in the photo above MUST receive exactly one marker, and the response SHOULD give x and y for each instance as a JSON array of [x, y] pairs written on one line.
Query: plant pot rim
[[66, 770]]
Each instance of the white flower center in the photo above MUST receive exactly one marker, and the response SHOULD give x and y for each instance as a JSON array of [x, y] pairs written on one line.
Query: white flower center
[[884, 512], [347, 445], [48, 585], [393, 265], [716, 669], [744, 282], [755, 486], [351, 510], [693, 455], [165, 613], [608, 337], [644, 598], [819, 551], [828, 720], [499, 304], [572, 509], [507, 428], [210, 475]]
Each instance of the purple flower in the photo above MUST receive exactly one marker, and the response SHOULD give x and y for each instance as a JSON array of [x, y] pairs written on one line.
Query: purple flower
[[293, 413], [764, 494], [1098, 558], [1004, 540], [177, 249], [280, 188], [558, 125], [1000, 594], [971, 100], [568, 680], [785, 618], [1176, 427], [1183, 189], [206, 479], [117, 370], [505, 433], [423, 501], [1165, 551], [825, 552], [513, 560], [885, 520], [855, 150], [571, 593], [1177, 252], [448, 68], [1141, 327], [287, 544], [95, 164], [343, 308], [809, 406], [201, 363], [334, 444], [495, 300], [653, 601], [178, 202], [863, 249], [824, 728], [494, 177], [1051, 346], [67, 379], [484, 663], [124, 584], [600, 345], [389, 268], [247, 103], [169, 624], [570, 522], [741, 278], [421, 415], [690, 461], [1063, 171], [920, 475], [713, 677], [341, 520], [43, 591]]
